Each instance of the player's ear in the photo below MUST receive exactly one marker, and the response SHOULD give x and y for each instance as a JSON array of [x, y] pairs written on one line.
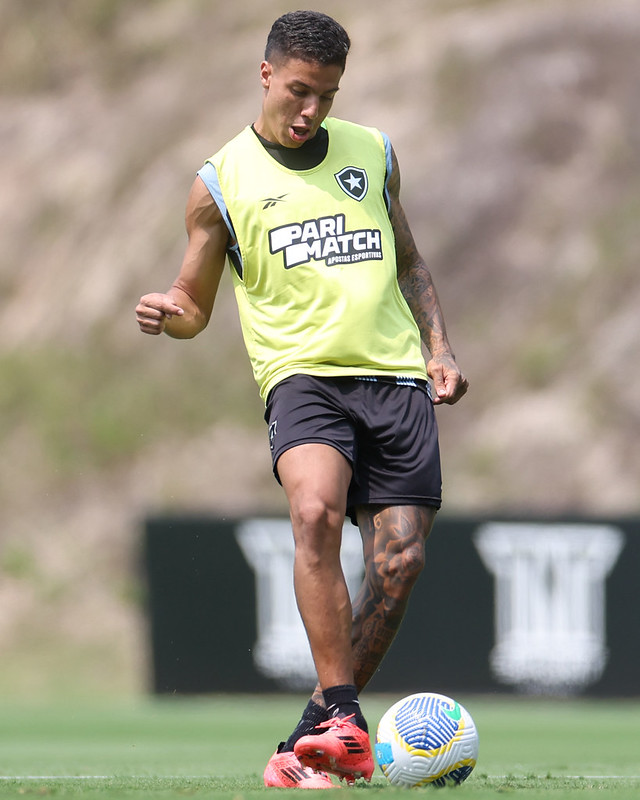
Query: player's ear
[[266, 71]]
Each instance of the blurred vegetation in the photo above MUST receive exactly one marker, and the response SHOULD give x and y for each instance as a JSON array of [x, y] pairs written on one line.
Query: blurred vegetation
[[43, 45], [88, 411]]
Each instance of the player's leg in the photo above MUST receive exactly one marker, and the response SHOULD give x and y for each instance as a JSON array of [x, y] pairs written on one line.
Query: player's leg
[[395, 494], [316, 478], [313, 445], [304, 410], [394, 547], [393, 540], [398, 459]]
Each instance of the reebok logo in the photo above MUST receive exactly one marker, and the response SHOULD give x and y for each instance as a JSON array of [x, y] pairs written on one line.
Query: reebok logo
[[325, 239], [270, 202]]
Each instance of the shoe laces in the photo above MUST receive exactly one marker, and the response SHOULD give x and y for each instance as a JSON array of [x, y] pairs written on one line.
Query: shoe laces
[[336, 722]]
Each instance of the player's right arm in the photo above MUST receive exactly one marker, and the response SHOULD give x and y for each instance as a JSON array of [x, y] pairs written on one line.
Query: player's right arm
[[185, 309]]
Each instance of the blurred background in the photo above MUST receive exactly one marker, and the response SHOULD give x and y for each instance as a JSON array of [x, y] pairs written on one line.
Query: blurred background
[[517, 128]]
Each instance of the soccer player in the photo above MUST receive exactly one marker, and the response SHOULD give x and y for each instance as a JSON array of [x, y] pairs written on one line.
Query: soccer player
[[334, 300]]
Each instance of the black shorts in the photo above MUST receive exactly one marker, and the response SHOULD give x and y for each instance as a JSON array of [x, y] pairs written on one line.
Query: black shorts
[[385, 429]]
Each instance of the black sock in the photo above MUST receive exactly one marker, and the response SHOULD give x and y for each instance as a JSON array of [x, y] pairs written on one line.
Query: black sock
[[311, 716], [342, 701]]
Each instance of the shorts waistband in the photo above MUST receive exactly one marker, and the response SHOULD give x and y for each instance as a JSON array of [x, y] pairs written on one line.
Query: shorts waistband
[[396, 380]]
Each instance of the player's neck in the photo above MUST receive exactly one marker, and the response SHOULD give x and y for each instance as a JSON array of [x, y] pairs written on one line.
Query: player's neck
[[307, 156]]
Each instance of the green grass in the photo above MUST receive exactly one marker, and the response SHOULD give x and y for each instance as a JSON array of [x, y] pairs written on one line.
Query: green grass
[[217, 747]]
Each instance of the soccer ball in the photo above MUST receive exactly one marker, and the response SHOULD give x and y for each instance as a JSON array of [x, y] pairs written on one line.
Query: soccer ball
[[426, 738]]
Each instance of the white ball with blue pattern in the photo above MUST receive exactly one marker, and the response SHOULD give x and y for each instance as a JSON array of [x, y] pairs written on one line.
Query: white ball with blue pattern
[[426, 738]]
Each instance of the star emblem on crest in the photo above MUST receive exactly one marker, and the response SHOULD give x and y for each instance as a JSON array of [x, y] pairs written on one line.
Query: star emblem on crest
[[353, 181]]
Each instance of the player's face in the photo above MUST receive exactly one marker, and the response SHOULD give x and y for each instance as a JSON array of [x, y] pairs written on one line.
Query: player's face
[[298, 95]]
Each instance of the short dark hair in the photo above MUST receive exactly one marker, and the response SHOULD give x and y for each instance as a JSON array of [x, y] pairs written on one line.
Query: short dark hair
[[309, 36]]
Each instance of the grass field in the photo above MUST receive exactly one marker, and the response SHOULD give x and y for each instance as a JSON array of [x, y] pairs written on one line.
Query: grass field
[[216, 747]]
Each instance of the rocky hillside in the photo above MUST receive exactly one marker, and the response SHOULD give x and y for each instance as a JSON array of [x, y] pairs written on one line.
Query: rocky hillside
[[517, 126]]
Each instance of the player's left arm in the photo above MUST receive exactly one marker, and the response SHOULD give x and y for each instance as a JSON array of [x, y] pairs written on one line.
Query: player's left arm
[[416, 284]]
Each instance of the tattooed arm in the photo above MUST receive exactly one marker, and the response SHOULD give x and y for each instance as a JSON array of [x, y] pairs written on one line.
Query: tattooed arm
[[417, 287]]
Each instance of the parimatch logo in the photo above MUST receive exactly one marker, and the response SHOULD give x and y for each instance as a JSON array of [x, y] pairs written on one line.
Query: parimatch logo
[[325, 239]]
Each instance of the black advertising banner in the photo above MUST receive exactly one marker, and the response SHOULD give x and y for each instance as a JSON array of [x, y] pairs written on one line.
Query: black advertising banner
[[545, 606]]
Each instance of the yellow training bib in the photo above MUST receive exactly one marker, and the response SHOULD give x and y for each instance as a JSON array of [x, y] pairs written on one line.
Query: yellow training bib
[[314, 265]]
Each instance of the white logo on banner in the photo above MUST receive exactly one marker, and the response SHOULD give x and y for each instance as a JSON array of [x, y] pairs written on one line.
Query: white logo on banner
[[549, 601], [282, 650]]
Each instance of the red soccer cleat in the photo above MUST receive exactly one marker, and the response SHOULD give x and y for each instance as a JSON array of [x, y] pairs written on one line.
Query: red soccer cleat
[[344, 749], [286, 772]]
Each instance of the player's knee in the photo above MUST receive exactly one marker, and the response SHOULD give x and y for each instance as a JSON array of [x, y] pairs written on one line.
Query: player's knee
[[407, 567], [317, 534], [315, 520], [400, 572]]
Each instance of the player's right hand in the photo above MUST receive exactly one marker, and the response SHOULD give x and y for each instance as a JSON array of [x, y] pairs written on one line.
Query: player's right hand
[[153, 311]]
